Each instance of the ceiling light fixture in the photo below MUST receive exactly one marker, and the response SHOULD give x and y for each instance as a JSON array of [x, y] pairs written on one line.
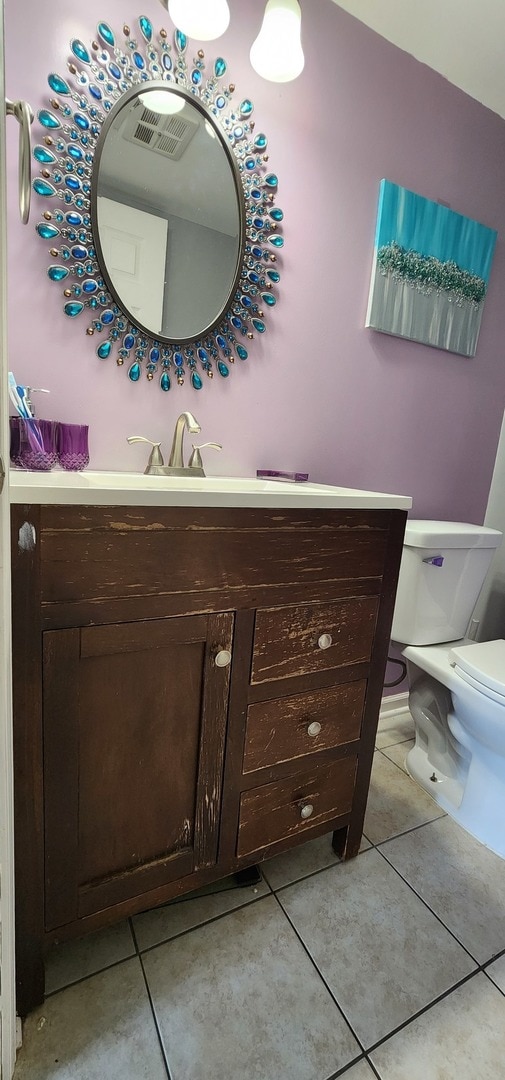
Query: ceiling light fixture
[[203, 20], [277, 53]]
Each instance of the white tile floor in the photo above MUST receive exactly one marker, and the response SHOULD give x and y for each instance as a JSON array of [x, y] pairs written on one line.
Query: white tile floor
[[390, 966]]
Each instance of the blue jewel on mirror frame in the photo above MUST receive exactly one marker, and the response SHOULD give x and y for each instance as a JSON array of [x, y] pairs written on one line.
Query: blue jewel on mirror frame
[[70, 135]]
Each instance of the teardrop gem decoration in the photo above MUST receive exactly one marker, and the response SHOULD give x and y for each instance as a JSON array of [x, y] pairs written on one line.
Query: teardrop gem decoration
[[223, 369], [73, 308], [271, 180], [181, 41], [246, 107], [58, 84], [134, 372], [80, 51], [146, 28], [81, 121], [259, 326], [274, 276], [276, 214], [196, 381], [47, 232], [276, 240], [219, 67], [48, 119], [139, 61], [269, 299], [57, 273], [105, 33], [165, 381], [242, 353], [43, 188], [44, 156], [261, 141], [104, 350]]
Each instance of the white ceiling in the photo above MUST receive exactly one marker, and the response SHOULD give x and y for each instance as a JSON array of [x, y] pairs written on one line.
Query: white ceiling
[[464, 40]]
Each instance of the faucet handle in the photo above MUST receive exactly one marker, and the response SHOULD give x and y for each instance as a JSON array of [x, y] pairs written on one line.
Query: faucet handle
[[195, 461], [155, 457]]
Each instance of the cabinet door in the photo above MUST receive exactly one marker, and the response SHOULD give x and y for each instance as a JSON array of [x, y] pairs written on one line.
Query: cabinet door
[[134, 730]]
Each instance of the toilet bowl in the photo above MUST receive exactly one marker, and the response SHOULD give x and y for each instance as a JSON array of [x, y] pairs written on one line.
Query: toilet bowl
[[456, 686], [459, 753]]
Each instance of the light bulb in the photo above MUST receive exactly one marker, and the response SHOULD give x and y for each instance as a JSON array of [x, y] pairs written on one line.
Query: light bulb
[[203, 20], [162, 102], [277, 52]]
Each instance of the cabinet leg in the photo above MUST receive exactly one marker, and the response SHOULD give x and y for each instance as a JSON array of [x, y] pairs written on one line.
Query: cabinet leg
[[346, 843]]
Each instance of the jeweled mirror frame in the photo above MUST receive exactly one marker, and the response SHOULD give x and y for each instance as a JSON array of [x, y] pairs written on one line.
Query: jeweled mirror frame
[[66, 156]]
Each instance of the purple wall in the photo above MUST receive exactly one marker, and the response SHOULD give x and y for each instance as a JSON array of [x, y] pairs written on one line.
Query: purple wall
[[319, 392]]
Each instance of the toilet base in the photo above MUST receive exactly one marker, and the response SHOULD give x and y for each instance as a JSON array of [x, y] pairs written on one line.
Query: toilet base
[[480, 816]]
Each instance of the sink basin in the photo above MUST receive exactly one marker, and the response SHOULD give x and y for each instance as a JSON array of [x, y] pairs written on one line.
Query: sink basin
[[136, 489]]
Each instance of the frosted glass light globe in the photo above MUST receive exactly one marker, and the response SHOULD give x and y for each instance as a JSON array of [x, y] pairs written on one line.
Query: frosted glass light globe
[[203, 20], [277, 53]]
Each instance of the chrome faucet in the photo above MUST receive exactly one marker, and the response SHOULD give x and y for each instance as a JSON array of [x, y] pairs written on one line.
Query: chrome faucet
[[185, 420]]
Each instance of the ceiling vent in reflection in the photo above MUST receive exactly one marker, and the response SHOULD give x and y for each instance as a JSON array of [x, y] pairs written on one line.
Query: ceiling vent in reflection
[[167, 135]]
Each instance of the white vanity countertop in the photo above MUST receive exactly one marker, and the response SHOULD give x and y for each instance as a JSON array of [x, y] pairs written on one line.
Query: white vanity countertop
[[90, 488]]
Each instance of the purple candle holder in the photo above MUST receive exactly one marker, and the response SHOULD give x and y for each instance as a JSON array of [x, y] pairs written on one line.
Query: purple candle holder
[[72, 446], [33, 443]]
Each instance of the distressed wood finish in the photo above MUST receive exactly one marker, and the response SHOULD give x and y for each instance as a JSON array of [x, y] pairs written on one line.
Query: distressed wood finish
[[131, 783], [278, 731], [286, 639], [273, 812], [133, 758]]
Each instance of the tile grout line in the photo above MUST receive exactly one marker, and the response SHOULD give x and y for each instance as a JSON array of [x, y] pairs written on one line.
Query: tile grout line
[[323, 980], [426, 1008], [149, 995], [427, 905]]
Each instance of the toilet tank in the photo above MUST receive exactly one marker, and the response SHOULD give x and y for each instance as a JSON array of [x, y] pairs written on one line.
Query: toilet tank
[[442, 571]]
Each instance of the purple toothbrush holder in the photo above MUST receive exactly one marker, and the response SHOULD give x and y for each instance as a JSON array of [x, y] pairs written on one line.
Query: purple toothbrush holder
[[72, 446], [33, 443]]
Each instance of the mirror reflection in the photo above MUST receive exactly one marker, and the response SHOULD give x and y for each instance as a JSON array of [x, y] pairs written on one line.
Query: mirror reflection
[[167, 210]]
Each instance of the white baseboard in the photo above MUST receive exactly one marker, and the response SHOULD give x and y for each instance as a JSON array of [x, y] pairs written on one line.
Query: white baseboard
[[394, 705]]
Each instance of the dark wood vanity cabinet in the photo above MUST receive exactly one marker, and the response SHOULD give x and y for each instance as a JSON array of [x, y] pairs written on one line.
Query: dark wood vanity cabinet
[[195, 690]]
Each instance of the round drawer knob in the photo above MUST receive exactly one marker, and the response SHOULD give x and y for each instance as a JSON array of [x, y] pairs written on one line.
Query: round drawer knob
[[314, 729], [325, 641], [306, 811], [222, 658]]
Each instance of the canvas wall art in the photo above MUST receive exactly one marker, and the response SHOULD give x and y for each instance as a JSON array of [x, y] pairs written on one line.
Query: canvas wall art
[[430, 271]]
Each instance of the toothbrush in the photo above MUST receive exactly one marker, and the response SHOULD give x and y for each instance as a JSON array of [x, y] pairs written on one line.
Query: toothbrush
[[32, 429]]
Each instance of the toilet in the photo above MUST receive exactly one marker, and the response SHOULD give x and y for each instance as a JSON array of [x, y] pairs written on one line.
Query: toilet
[[456, 685]]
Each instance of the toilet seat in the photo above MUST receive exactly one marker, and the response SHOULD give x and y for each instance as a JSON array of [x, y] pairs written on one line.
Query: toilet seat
[[482, 665]]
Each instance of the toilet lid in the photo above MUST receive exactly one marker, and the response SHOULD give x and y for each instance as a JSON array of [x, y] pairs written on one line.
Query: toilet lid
[[484, 662]]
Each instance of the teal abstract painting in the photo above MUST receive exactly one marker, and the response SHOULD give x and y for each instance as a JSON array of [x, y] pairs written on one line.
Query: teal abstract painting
[[430, 271]]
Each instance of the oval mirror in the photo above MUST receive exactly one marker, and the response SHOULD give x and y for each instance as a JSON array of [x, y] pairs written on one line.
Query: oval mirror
[[167, 212]]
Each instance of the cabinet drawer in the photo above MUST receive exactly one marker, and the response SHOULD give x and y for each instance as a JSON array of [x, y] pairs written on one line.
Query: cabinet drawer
[[290, 727], [277, 811], [297, 640]]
